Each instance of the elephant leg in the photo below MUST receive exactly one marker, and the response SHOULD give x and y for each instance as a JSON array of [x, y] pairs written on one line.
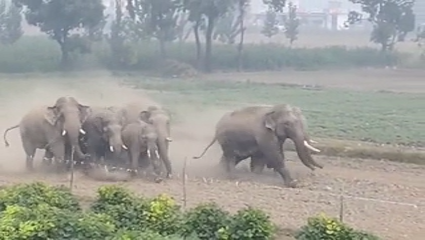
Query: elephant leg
[[58, 150], [134, 161], [29, 149], [230, 164], [257, 163], [48, 157]]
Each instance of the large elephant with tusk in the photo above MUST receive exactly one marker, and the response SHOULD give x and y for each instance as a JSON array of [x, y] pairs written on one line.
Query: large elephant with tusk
[[258, 132], [160, 119], [103, 134], [51, 127], [257, 165], [141, 140]]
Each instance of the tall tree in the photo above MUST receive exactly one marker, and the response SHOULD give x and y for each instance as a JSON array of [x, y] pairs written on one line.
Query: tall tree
[[292, 22], [242, 7], [270, 24], [391, 19], [10, 23], [59, 18], [210, 10], [162, 16]]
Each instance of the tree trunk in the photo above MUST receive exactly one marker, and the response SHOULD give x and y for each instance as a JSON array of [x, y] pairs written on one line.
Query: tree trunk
[[198, 42], [162, 48], [242, 34], [208, 44], [64, 56]]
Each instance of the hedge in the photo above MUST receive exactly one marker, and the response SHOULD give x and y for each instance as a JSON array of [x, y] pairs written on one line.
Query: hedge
[[38, 211], [39, 54]]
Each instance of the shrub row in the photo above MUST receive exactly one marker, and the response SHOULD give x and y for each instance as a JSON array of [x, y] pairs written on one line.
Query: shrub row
[[37, 211], [32, 53]]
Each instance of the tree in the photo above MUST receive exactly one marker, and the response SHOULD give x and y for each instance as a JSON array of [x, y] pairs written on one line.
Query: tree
[[270, 24], [391, 19], [10, 23], [242, 7], [275, 5], [59, 18], [162, 16], [210, 10], [291, 23], [227, 28]]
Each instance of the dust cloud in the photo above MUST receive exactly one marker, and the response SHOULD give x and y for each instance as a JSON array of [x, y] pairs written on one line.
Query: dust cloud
[[190, 136]]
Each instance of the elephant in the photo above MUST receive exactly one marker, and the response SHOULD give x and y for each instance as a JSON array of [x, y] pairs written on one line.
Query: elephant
[[259, 132], [103, 134], [52, 128], [257, 164], [160, 119], [141, 139]]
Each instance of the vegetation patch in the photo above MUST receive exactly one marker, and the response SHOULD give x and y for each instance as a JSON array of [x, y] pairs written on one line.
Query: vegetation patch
[[119, 214]]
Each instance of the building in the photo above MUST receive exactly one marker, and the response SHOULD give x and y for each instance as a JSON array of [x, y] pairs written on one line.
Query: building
[[324, 14], [419, 10]]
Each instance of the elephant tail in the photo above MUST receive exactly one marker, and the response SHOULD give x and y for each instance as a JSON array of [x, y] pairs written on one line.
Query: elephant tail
[[206, 149], [5, 134]]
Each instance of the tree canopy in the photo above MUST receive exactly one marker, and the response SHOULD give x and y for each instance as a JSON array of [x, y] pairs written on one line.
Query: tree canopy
[[58, 18]]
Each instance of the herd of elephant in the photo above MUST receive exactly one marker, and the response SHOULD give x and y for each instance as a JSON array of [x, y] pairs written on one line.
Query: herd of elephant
[[137, 135]]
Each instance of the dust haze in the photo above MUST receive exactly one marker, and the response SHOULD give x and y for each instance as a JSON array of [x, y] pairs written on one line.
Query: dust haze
[[190, 136]]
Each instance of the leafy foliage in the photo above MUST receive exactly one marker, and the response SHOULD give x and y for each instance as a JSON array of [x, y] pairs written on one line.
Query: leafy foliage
[[32, 195], [58, 18], [206, 221], [391, 19], [118, 214], [48, 222], [251, 223], [270, 24], [326, 228], [159, 214], [10, 23], [292, 23]]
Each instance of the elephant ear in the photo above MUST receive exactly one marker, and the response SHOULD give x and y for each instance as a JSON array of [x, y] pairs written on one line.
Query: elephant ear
[[145, 116], [269, 121], [51, 115]]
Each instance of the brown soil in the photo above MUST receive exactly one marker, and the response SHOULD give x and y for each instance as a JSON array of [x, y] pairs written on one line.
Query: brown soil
[[386, 198]]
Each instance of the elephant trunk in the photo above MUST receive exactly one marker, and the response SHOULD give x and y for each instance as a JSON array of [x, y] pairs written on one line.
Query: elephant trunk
[[163, 153], [154, 158], [116, 145], [73, 129], [301, 146]]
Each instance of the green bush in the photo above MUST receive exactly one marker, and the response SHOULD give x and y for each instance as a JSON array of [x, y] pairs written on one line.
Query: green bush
[[159, 214], [251, 223], [326, 228], [47, 222], [34, 194], [206, 221], [39, 54], [37, 211]]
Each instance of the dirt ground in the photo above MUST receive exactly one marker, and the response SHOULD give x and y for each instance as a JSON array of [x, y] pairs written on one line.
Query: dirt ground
[[382, 197]]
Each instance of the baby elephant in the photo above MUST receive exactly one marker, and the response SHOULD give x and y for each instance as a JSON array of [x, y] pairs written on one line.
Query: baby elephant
[[141, 141]]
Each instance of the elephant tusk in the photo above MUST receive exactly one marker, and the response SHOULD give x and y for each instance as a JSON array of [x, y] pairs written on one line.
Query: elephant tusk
[[125, 147], [82, 131], [149, 154], [111, 148], [311, 147], [157, 154], [63, 132], [312, 141], [169, 139]]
